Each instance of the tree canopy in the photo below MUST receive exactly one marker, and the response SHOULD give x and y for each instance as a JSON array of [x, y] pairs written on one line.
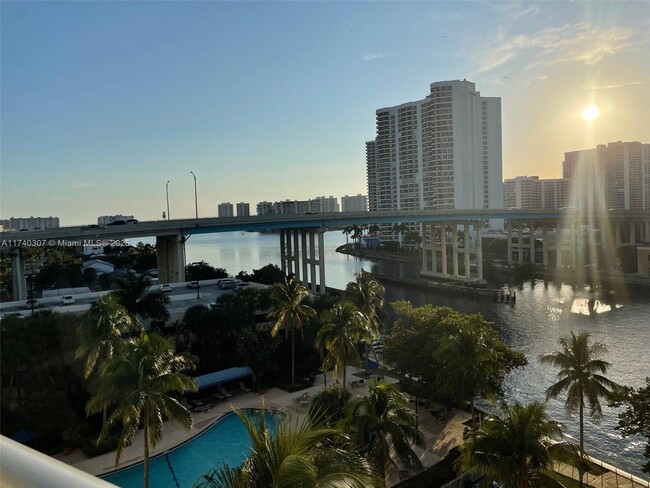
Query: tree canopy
[[427, 340]]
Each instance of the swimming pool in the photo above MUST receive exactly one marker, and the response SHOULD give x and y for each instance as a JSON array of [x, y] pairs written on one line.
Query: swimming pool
[[226, 442]]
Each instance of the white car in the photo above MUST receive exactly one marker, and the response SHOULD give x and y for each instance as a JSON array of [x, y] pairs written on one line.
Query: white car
[[67, 300], [164, 288]]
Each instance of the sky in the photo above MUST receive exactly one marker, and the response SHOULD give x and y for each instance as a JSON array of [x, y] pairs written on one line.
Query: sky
[[102, 103]]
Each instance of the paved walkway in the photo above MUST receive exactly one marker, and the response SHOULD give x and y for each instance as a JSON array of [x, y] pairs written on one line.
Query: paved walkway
[[439, 436]]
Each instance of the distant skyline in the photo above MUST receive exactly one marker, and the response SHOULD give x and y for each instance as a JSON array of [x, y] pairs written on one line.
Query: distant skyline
[[103, 102]]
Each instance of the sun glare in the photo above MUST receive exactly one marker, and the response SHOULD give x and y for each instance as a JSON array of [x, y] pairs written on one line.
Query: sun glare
[[590, 113]]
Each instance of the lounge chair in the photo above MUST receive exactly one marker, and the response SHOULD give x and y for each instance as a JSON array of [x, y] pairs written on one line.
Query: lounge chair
[[217, 397], [225, 393], [354, 384], [243, 387]]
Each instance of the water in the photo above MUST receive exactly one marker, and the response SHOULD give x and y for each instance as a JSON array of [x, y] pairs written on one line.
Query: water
[[227, 442], [544, 311]]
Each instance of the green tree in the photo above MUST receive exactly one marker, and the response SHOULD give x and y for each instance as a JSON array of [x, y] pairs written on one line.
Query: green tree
[[421, 342], [343, 328], [368, 295], [290, 312], [203, 271], [329, 405], [383, 425], [468, 363], [134, 295], [516, 446], [143, 257], [582, 376], [139, 380], [635, 419], [300, 455]]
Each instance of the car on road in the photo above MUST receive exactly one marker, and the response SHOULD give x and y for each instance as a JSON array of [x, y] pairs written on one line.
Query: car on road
[[227, 284], [164, 288], [118, 222], [67, 300], [241, 284], [32, 303], [193, 284], [18, 315], [92, 227], [131, 221]]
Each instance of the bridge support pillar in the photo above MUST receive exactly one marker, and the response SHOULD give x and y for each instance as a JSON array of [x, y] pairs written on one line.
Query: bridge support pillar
[[443, 250], [170, 252], [298, 256], [466, 251], [520, 244], [479, 250], [509, 242], [454, 248], [531, 245], [18, 283], [544, 246]]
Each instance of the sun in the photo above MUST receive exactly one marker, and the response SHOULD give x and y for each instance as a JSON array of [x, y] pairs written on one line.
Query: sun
[[590, 113]]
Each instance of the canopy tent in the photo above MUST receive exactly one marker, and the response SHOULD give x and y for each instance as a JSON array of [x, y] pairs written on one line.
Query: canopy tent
[[223, 376], [24, 436]]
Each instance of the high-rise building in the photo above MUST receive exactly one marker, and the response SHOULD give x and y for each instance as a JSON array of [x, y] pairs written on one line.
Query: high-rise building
[[616, 176], [354, 203], [225, 210], [531, 193], [442, 152], [328, 204], [16, 223], [243, 209]]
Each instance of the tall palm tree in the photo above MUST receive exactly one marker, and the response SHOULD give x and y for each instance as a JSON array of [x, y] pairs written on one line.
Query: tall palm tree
[[347, 230], [134, 295], [383, 426], [516, 446], [343, 328], [467, 363], [368, 295], [303, 454], [290, 312], [101, 333], [139, 378], [581, 375], [99, 336]]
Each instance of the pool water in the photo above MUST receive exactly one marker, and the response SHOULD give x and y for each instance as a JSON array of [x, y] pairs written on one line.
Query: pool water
[[226, 442]]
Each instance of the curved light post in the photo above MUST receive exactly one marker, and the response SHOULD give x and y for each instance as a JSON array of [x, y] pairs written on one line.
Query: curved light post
[[167, 193], [196, 201]]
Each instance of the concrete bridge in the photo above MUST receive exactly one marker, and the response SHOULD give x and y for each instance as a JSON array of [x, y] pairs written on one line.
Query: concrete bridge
[[301, 238]]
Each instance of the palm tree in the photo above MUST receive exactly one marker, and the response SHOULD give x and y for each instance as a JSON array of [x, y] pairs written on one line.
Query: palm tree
[[107, 320], [516, 447], [134, 295], [368, 295], [139, 378], [303, 454], [467, 364], [347, 230], [290, 311], [343, 328], [102, 332], [383, 425], [580, 375]]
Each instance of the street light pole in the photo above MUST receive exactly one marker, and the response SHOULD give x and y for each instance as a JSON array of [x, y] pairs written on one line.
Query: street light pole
[[167, 193], [196, 201]]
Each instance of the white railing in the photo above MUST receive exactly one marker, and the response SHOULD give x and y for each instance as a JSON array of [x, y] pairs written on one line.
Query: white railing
[[23, 467]]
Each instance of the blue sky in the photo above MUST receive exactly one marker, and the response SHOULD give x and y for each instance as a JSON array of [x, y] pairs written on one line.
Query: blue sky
[[102, 103]]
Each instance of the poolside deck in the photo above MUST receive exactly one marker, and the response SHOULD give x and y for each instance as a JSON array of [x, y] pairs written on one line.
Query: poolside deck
[[439, 437]]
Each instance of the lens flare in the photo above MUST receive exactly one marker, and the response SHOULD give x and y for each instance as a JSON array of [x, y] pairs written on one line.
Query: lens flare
[[590, 113]]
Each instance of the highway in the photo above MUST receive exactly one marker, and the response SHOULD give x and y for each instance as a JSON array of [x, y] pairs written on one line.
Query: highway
[[112, 234], [180, 299]]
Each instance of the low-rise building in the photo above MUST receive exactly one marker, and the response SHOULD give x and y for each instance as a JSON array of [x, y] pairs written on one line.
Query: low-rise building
[[243, 209], [101, 267]]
